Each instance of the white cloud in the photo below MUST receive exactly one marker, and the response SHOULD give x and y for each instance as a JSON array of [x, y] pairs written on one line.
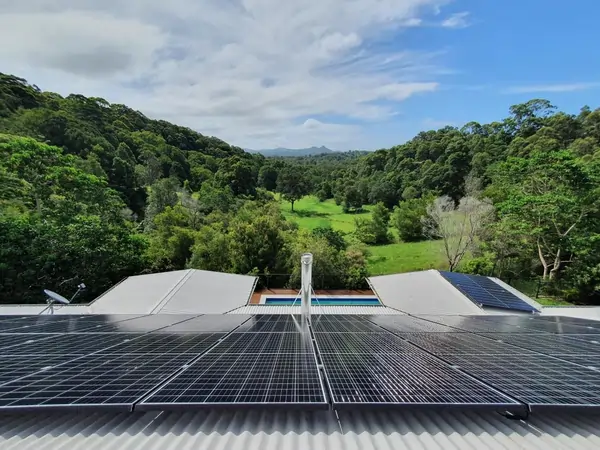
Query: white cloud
[[248, 71], [457, 20], [550, 88]]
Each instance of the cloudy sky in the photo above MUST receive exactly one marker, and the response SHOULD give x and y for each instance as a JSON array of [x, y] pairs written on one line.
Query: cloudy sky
[[342, 73]]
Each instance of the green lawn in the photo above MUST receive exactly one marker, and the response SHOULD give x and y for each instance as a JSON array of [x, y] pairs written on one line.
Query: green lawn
[[398, 257], [310, 213], [406, 257]]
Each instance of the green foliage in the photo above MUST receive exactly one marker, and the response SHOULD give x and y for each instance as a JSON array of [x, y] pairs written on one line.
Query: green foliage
[[68, 226], [292, 185], [407, 219], [374, 231], [334, 238]]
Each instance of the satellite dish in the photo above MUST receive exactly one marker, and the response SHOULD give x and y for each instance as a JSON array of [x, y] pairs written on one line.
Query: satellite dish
[[54, 297]]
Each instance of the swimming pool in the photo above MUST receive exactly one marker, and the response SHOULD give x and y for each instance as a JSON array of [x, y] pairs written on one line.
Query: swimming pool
[[323, 301]]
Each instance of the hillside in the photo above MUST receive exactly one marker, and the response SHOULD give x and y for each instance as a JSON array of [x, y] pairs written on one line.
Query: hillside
[[93, 192], [293, 152]]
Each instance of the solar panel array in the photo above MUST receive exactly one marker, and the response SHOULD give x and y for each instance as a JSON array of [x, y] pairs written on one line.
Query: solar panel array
[[366, 365], [267, 360], [127, 362], [486, 292]]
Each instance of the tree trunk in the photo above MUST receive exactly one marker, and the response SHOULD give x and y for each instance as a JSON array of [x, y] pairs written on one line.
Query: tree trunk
[[292, 205], [543, 261]]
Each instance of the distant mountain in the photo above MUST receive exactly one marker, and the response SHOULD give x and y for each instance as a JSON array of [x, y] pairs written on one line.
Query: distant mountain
[[293, 151]]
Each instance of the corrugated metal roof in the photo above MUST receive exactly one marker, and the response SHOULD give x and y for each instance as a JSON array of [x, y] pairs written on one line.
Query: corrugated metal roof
[[424, 292], [333, 309], [274, 430]]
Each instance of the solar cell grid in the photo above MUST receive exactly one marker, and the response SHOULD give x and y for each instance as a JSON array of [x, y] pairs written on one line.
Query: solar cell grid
[[161, 343], [15, 366], [406, 324], [460, 343], [549, 344], [570, 321], [538, 380], [589, 361], [215, 323], [266, 343], [220, 379], [485, 291], [345, 327], [362, 343], [69, 344], [478, 324], [403, 379], [269, 327], [525, 324], [98, 380]]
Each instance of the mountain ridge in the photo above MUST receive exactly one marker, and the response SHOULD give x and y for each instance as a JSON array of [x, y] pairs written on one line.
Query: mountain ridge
[[281, 151]]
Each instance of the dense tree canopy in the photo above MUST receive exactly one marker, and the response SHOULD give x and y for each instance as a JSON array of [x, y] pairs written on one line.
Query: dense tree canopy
[[92, 191]]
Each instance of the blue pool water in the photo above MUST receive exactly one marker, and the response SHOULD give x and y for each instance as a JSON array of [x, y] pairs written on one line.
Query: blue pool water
[[343, 301]]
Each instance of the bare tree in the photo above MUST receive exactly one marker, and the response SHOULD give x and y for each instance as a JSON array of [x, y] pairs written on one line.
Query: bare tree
[[458, 226]]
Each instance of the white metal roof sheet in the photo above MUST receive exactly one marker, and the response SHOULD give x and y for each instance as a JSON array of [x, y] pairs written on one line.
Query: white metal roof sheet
[[177, 292], [139, 294], [207, 292], [274, 430], [424, 292]]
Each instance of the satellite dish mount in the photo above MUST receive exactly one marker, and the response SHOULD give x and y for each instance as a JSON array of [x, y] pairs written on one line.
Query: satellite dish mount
[[53, 298]]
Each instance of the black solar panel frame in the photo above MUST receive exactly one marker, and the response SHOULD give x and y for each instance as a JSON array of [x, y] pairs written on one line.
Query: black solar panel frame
[[413, 366], [484, 291], [47, 385], [245, 365]]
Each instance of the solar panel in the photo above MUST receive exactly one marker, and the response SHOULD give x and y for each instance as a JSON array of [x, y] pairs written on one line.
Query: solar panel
[[362, 343], [67, 324], [479, 324], [15, 366], [408, 324], [589, 361], [460, 343], [527, 324], [69, 344], [538, 380], [486, 292], [161, 343], [24, 325], [101, 380], [570, 321], [548, 344], [266, 343], [243, 379], [339, 326], [272, 324], [406, 379], [208, 323]]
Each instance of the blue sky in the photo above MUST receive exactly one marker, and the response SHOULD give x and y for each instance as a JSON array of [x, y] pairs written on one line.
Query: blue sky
[[511, 51], [346, 74]]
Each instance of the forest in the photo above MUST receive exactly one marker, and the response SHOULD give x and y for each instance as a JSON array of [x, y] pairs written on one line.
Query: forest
[[93, 192]]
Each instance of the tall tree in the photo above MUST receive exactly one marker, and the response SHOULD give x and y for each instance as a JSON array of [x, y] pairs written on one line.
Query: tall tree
[[550, 200], [458, 226], [292, 185]]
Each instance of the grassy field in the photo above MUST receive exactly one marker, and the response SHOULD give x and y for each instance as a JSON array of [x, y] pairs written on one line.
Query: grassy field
[[406, 257], [310, 213], [398, 257]]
